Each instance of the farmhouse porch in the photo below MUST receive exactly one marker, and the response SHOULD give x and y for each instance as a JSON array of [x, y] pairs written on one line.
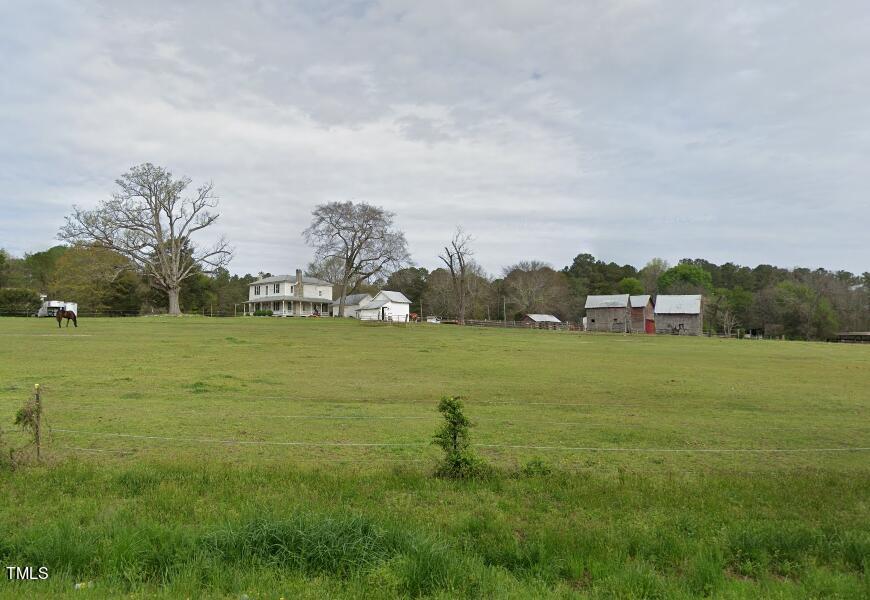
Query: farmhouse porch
[[289, 307]]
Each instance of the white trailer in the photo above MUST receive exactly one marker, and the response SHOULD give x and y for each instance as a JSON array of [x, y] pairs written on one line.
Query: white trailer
[[49, 308]]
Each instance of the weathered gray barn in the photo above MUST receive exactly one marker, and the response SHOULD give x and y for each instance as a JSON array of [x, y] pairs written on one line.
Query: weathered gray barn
[[679, 314], [608, 313], [643, 318]]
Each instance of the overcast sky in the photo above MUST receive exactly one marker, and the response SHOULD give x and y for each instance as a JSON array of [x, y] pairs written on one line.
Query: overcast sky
[[733, 131]]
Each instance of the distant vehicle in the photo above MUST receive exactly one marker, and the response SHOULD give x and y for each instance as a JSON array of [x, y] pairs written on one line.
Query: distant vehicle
[[49, 308], [433, 319]]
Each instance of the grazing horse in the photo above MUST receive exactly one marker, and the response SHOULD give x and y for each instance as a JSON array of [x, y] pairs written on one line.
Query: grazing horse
[[62, 314]]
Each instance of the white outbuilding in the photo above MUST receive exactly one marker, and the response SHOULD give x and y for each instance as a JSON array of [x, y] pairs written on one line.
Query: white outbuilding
[[351, 304], [386, 306]]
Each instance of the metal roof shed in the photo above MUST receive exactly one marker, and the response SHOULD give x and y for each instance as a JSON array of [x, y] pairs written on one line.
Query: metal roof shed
[[612, 301]]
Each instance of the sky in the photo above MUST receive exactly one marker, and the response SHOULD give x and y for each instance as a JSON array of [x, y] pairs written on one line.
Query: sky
[[629, 129]]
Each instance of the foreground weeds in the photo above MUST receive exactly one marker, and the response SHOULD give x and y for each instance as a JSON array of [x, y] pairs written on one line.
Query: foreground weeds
[[223, 532]]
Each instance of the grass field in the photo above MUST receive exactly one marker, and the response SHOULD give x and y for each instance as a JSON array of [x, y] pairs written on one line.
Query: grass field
[[200, 457]]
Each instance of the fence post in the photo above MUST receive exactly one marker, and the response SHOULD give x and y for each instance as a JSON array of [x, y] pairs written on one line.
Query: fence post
[[37, 427]]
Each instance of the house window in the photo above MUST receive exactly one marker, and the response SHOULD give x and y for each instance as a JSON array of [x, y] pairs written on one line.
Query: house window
[[319, 292], [275, 306], [292, 289], [256, 290], [277, 288]]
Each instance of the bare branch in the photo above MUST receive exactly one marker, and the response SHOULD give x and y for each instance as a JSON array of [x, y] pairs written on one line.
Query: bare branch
[[150, 221], [360, 237]]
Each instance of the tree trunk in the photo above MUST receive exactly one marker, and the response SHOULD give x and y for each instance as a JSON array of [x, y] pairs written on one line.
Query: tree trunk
[[342, 300], [174, 308]]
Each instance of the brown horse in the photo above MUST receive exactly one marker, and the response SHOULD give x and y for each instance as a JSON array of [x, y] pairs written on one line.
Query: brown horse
[[62, 314]]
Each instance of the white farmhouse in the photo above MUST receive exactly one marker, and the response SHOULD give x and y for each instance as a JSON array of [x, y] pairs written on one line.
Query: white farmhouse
[[386, 306], [351, 304], [290, 296]]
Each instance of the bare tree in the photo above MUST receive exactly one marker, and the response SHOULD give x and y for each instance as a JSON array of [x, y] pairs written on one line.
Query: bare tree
[[329, 269], [361, 237], [728, 320], [151, 222], [534, 287], [457, 257]]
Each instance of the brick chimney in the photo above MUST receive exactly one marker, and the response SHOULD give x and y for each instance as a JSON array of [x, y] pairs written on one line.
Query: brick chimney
[[299, 282]]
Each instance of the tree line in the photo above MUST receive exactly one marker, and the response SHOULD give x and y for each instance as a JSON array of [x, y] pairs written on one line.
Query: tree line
[[136, 253]]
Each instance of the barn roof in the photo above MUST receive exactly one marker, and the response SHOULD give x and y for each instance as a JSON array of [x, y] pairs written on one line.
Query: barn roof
[[682, 305], [539, 318], [352, 299], [614, 301], [385, 297], [639, 301], [291, 279]]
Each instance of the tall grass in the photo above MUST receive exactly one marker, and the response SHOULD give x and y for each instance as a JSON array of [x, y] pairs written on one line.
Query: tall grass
[[219, 531]]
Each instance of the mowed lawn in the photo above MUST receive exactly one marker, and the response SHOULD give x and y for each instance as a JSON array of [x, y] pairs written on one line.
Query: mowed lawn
[[191, 453]]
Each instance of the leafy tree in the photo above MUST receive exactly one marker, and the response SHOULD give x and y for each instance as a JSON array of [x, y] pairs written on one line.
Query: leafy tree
[[411, 281], [805, 313], [685, 279], [587, 275], [18, 300], [630, 285], [87, 275], [650, 273], [39, 267], [5, 267]]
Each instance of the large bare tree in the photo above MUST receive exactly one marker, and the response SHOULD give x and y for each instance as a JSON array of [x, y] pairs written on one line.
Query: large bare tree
[[534, 287], [457, 257], [361, 237], [151, 221]]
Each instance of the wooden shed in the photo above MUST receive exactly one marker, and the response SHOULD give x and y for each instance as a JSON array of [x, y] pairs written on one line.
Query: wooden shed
[[608, 313], [643, 319], [679, 314]]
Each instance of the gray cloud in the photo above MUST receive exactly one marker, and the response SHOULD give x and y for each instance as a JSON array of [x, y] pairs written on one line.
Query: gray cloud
[[627, 129]]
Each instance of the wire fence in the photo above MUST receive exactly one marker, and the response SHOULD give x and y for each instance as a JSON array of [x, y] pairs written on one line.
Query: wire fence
[[545, 325], [119, 313], [424, 444]]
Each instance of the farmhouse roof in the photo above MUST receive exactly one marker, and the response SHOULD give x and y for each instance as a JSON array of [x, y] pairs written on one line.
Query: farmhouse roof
[[681, 305], [352, 299], [613, 301], [291, 279], [538, 318], [639, 301], [385, 297]]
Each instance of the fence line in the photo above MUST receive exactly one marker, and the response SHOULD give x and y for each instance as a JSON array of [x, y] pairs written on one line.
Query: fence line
[[245, 442], [563, 326], [490, 446]]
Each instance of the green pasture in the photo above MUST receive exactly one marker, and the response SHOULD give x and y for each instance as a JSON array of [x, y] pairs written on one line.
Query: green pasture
[[268, 457]]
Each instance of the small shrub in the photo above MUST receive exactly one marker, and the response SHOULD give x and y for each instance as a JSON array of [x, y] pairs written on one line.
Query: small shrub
[[263, 313], [536, 467], [453, 438]]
